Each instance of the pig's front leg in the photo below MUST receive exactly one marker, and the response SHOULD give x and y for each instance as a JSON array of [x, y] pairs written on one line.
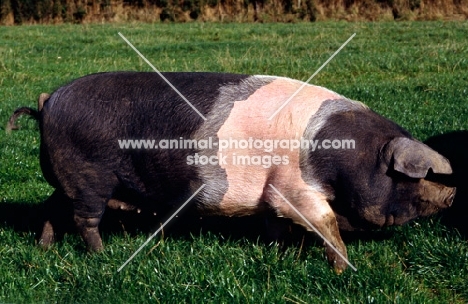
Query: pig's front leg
[[330, 226], [315, 210]]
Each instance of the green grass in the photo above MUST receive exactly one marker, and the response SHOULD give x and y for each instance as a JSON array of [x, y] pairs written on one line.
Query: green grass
[[413, 73]]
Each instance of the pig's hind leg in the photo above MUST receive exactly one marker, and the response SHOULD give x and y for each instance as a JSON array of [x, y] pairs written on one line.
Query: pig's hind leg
[[60, 211], [90, 192], [87, 213], [57, 217]]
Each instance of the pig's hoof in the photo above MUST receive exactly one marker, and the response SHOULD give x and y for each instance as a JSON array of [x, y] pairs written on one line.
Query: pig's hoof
[[46, 241], [339, 267], [93, 240], [88, 228], [95, 247], [47, 236], [338, 264]]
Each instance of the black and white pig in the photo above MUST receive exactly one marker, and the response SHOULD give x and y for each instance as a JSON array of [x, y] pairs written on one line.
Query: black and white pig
[[383, 178]]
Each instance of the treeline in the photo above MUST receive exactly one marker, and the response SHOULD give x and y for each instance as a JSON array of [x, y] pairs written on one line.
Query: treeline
[[86, 11]]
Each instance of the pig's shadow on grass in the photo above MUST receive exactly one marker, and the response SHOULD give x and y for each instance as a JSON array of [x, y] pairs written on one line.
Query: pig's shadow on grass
[[454, 146], [24, 217]]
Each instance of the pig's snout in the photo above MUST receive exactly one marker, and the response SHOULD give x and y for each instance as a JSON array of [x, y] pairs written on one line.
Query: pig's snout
[[437, 195], [444, 198], [451, 196]]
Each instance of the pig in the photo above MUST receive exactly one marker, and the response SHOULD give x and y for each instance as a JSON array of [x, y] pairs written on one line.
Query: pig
[[384, 178]]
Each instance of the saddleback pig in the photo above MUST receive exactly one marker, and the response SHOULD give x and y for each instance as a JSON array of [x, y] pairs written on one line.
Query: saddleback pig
[[381, 177]]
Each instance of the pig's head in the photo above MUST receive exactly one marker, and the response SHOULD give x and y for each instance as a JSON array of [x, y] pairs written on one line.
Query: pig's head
[[389, 178], [408, 172]]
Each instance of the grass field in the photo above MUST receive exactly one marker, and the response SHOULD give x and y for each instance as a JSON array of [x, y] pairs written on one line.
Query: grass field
[[414, 73]]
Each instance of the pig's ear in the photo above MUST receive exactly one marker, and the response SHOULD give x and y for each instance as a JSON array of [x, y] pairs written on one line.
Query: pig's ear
[[414, 158]]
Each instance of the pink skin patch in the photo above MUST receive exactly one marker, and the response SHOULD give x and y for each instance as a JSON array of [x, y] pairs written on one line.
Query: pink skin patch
[[248, 184]]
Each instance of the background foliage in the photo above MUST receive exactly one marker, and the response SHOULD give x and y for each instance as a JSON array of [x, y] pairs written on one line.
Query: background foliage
[[79, 11]]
